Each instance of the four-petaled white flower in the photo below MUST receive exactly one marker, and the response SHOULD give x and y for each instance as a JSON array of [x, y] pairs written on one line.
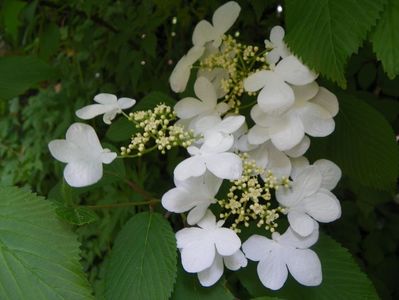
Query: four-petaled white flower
[[194, 194], [181, 73], [108, 104], [223, 18], [310, 198], [286, 252], [204, 248], [276, 43], [83, 153], [276, 95]]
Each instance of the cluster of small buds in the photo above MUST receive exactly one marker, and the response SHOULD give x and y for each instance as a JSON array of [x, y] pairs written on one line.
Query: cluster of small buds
[[249, 198], [157, 130], [239, 61]]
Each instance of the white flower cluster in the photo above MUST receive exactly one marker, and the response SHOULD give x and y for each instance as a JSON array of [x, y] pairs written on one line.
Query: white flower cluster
[[289, 107]]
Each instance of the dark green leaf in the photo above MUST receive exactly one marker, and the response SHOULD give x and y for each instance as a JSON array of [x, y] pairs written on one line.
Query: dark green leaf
[[152, 99], [121, 130], [77, 215], [10, 11], [49, 41], [143, 260]]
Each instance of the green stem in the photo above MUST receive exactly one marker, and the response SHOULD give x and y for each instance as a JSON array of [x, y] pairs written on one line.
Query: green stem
[[124, 204]]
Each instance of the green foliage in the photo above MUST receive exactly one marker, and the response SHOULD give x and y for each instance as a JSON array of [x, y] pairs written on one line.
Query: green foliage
[[326, 33], [39, 257], [77, 215], [385, 39], [143, 261]]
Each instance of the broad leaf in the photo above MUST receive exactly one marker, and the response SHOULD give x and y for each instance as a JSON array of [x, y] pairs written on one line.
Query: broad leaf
[[19, 73], [143, 260], [152, 99], [385, 39], [325, 33], [39, 257]]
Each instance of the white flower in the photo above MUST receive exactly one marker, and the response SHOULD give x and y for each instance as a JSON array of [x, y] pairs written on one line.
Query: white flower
[[310, 198], [276, 96], [223, 18], [215, 76], [204, 248], [206, 103], [109, 105], [286, 251], [181, 73], [194, 194], [83, 153], [276, 43]]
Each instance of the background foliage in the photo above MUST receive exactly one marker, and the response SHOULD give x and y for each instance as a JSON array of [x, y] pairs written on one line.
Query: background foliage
[[56, 55]]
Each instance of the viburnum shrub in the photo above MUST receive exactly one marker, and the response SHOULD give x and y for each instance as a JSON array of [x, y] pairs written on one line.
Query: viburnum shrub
[[258, 159]]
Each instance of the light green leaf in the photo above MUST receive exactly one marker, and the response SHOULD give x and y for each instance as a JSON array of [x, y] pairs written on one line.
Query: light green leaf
[[188, 287], [77, 215], [342, 278], [385, 39], [39, 257], [324, 33], [19, 73], [143, 260]]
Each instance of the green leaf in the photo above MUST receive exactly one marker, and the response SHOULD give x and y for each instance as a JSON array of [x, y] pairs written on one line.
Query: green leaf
[[121, 130], [364, 144], [39, 256], [19, 73], [188, 287], [152, 99], [77, 215], [10, 11], [143, 260], [385, 39], [49, 41], [324, 33], [342, 278]]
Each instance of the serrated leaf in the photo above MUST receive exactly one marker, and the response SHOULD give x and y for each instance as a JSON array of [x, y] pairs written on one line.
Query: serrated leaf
[[342, 278], [188, 287], [385, 39], [324, 33], [39, 257], [77, 215], [18, 73], [143, 260]]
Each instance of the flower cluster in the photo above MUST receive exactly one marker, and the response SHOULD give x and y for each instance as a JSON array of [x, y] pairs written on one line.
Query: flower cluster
[[264, 166]]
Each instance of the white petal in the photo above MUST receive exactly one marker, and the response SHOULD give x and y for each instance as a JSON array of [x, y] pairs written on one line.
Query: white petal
[[294, 72], [304, 265], [305, 92], [210, 276], [292, 239], [307, 182], [260, 155], [225, 16], [211, 184], [231, 124], [299, 149], [260, 117], [197, 213], [256, 81], [84, 136], [105, 98], [187, 236], [91, 111], [257, 246], [243, 145], [108, 157], [272, 270], [316, 120], [287, 196], [178, 200], [279, 163], [227, 241], [258, 135], [205, 91], [83, 173], [110, 115], [287, 133], [235, 261], [276, 96], [224, 165], [277, 34], [194, 54], [273, 56], [217, 142], [198, 255], [189, 107], [203, 33], [330, 173], [297, 165], [192, 166], [125, 103], [301, 223], [64, 151], [206, 122], [323, 206], [208, 222], [327, 100]]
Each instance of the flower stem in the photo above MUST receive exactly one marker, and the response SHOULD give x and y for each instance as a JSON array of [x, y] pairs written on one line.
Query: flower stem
[[124, 204]]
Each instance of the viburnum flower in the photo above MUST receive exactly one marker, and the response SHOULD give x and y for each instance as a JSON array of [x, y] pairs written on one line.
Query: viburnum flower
[[283, 253], [206, 103], [108, 104], [83, 153], [204, 248], [276, 95], [194, 194], [223, 18], [276, 43], [309, 197], [181, 73], [215, 76]]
